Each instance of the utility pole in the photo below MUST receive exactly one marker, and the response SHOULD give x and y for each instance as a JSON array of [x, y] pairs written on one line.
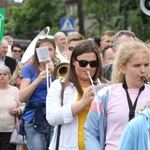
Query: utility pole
[[80, 16]]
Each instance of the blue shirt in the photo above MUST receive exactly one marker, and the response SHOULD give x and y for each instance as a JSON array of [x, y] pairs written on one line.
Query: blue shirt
[[40, 93]]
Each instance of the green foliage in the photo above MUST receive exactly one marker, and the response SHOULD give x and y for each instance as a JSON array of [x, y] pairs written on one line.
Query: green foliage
[[109, 15], [34, 16], [54, 30], [118, 15], [103, 12]]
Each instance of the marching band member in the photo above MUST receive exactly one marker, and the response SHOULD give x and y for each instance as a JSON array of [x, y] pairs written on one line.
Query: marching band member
[[33, 91], [69, 99], [117, 104]]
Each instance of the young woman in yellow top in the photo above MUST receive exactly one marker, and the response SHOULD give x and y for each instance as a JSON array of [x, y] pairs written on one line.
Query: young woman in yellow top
[[69, 99]]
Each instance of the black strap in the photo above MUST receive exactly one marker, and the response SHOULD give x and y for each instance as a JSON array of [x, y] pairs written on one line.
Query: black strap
[[132, 107], [58, 137], [59, 126], [48, 137]]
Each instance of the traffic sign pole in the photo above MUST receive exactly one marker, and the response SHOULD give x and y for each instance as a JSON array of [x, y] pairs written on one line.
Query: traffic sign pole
[[2, 20]]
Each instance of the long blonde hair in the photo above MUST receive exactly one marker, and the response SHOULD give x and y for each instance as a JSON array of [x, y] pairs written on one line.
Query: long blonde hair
[[15, 75], [122, 56]]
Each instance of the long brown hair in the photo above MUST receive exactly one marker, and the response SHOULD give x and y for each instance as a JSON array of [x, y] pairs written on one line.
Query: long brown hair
[[85, 46]]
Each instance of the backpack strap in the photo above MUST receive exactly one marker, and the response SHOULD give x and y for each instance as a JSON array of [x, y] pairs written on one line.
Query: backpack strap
[[59, 126]]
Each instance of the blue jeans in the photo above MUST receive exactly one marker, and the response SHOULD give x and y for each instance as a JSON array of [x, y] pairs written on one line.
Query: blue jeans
[[38, 140]]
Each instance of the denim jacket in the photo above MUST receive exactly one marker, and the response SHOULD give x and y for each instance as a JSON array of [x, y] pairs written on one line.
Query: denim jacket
[[38, 117]]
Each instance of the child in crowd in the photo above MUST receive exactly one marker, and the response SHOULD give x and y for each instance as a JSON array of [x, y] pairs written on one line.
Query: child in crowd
[[118, 103]]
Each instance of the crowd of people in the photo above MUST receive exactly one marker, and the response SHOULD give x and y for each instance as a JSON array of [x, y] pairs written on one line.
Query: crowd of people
[[92, 105]]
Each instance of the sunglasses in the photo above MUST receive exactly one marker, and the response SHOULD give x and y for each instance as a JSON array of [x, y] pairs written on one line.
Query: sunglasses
[[84, 63], [16, 51], [71, 48]]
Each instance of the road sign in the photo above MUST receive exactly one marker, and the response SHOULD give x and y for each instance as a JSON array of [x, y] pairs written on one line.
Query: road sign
[[67, 24], [2, 18]]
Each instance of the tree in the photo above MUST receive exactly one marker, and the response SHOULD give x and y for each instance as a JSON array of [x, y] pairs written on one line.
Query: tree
[[134, 19], [118, 15], [27, 21], [103, 11], [34, 16]]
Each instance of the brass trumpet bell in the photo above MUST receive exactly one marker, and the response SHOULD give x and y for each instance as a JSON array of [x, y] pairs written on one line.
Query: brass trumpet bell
[[61, 70]]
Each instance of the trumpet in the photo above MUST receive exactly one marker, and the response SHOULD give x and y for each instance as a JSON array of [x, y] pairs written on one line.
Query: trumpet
[[60, 56], [61, 70], [62, 67]]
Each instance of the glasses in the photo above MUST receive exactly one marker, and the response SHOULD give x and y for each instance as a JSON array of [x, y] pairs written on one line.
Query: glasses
[[70, 48], [16, 51], [84, 63]]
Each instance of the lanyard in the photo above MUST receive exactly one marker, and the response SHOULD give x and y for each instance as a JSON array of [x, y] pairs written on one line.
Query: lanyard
[[132, 107]]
